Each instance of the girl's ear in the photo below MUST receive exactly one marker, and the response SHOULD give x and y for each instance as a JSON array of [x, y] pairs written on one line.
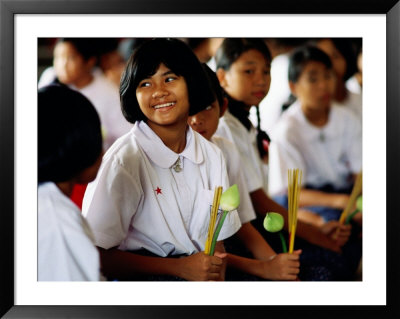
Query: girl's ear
[[221, 75], [223, 107], [292, 87]]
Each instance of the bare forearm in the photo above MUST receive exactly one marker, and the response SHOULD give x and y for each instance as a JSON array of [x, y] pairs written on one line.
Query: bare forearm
[[255, 242], [121, 264], [247, 265], [311, 197]]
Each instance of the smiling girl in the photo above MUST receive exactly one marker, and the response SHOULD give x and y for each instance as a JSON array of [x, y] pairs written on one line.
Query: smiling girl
[[151, 201]]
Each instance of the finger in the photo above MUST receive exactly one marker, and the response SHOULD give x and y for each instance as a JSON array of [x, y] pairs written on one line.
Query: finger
[[216, 261], [297, 252], [215, 269], [220, 255]]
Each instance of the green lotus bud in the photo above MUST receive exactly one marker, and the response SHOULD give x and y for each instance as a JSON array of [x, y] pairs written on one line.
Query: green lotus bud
[[273, 222], [359, 203], [230, 199]]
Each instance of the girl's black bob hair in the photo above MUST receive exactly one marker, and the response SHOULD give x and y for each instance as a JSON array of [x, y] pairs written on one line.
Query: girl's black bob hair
[[69, 134], [232, 48], [175, 55], [303, 55]]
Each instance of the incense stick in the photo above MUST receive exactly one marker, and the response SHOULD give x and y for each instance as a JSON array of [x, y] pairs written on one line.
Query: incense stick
[[294, 184], [213, 218], [356, 191]]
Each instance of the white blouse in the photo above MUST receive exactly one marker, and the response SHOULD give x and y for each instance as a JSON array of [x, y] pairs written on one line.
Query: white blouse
[[139, 200]]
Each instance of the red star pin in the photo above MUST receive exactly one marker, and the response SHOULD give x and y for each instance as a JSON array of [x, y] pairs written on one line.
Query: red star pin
[[158, 190]]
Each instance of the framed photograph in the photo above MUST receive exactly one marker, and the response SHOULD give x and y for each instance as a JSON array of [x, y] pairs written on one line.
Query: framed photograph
[[22, 23]]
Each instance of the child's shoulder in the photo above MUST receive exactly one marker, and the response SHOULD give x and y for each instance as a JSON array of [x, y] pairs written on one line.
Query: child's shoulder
[[206, 145], [57, 208], [224, 144], [290, 123], [342, 112], [125, 149]]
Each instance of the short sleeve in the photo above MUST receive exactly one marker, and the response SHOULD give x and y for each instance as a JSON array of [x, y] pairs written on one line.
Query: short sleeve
[[282, 156], [110, 202]]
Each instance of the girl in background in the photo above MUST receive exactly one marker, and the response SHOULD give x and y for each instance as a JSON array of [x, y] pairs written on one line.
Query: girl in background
[[249, 255], [243, 67]]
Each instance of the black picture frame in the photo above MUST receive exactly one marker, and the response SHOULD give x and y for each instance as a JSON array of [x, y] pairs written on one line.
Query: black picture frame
[[8, 10]]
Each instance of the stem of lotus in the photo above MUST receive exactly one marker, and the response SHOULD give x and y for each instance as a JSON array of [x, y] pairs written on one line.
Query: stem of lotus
[[284, 248], [348, 219], [217, 230]]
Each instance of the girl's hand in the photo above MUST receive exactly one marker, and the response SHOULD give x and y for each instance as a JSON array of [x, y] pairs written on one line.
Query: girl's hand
[[201, 267], [337, 231], [283, 266]]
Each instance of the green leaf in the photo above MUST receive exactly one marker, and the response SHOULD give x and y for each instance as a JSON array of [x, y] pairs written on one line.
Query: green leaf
[[273, 222], [230, 199]]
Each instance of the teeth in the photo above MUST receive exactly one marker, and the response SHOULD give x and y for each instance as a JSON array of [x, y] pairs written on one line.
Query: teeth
[[159, 106]]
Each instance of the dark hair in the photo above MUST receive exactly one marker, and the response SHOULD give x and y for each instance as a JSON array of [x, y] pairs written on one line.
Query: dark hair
[[229, 51], [175, 55], [193, 43], [346, 48], [216, 88], [301, 56], [232, 48], [69, 133], [87, 47]]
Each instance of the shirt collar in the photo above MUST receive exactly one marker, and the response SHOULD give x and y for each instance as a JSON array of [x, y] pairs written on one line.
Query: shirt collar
[[317, 133], [160, 154]]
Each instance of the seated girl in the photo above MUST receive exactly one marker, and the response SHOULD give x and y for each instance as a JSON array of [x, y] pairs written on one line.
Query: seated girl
[[149, 207]]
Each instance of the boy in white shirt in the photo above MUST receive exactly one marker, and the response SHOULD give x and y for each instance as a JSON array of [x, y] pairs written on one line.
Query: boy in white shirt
[[321, 139], [324, 141]]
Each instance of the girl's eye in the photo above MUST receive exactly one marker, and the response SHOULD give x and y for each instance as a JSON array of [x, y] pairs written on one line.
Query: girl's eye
[[170, 79], [249, 71], [312, 79], [144, 84]]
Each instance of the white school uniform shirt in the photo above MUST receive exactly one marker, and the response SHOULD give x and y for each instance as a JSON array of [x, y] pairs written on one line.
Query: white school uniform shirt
[[235, 175], [66, 250], [138, 200], [326, 155], [353, 102], [254, 170]]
